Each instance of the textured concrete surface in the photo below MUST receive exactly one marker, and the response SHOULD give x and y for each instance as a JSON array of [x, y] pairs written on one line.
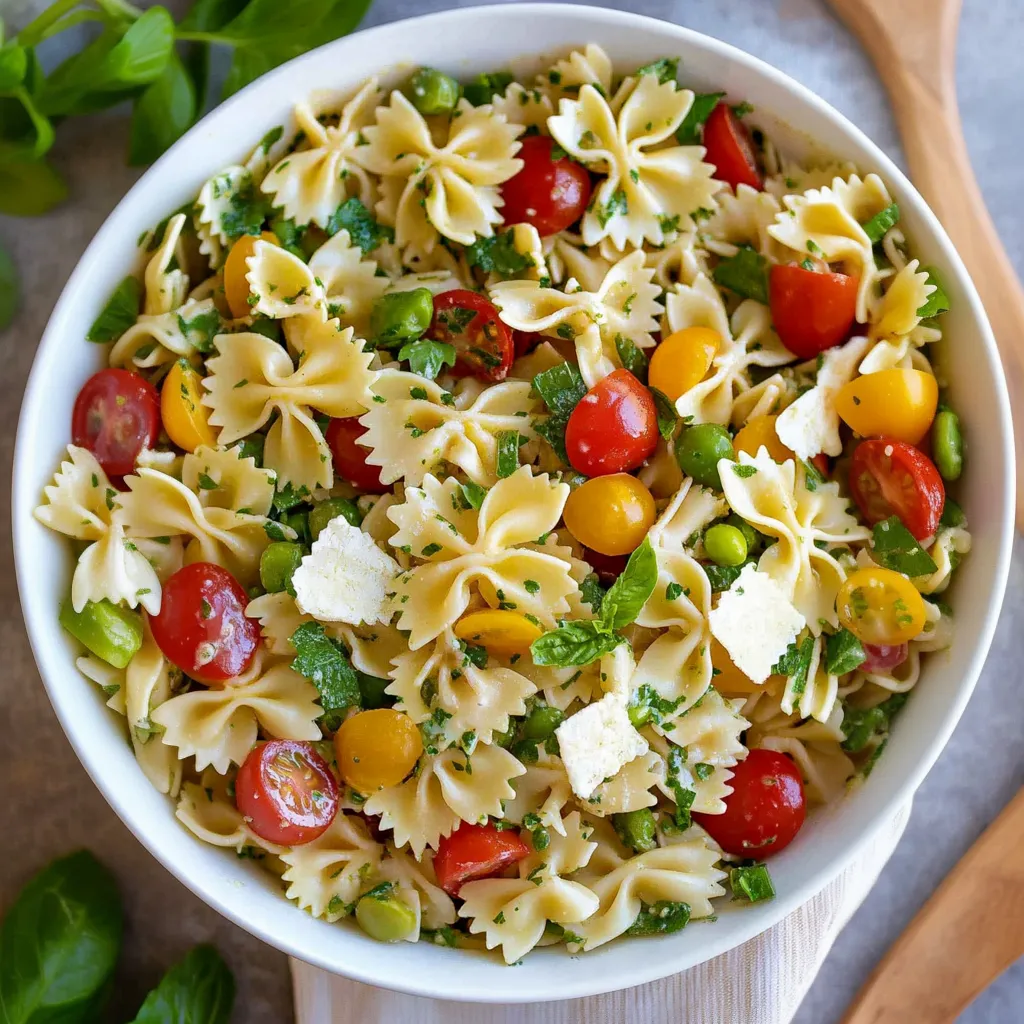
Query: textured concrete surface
[[49, 804]]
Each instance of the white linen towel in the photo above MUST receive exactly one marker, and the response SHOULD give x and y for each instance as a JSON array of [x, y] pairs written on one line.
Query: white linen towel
[[760, 982]]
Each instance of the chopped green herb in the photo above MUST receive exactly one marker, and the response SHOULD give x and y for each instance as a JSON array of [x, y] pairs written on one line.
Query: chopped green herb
[[896, 548]]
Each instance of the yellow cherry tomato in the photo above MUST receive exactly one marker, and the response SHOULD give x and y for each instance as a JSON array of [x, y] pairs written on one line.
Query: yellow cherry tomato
[[880, 607], [759, 432], [502, 632], [376, 749], [610, 514], [185, 419], [236, 286], [682, 360], [890, 403]]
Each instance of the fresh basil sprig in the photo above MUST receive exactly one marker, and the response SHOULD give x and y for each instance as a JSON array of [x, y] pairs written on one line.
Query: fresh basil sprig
[[896, 548], [581, 641]]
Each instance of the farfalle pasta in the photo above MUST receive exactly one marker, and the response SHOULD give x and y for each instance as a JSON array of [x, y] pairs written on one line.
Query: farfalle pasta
[[463, 548]]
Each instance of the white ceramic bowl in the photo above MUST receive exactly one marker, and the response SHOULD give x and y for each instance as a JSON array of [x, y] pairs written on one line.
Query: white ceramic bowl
[[490, 37]]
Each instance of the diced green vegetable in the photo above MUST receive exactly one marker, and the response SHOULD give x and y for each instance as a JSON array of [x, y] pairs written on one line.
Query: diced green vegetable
[[752, 883], [725, 545], [324, 511], [401, 316], [636, 829], [661, 918], [385, 917], [700, 448], [947, 444], [896, 548], [111, 632], [277, 564], [433, 92], [877, 226], [541, 722], [484, 87]]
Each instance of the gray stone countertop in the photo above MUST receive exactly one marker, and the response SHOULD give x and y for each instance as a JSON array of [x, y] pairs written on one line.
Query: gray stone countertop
[[49, 804]]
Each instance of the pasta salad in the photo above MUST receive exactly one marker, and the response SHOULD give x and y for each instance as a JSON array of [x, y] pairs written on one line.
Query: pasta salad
[[509, 506]]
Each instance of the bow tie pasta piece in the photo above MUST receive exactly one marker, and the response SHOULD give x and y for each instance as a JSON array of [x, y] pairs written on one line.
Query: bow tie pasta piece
[[326, 875], [475, 702], [310, 184], [811, 423], [895, 323], [775, 499], [647, 184], [679, 262], [155, 340], [791, 178], [530, 108], [743, 219], [625, 304], [225, 204], [414, 427], [220, 726], [827, 221], [417, 885], [544, 790], [281, 285], [630, 788], [589, 66], [710, 730], [81, 503], [747, 339], [449, 190], [447, 788], [223, 478], [253, 377], [464, 546], [568, 258], [812, 695], [165, 288], [350, 283]]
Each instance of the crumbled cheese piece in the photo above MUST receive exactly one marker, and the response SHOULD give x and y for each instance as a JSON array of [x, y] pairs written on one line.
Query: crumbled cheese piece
[[345, 577], [811, 424], [596, 742], [755, 622]]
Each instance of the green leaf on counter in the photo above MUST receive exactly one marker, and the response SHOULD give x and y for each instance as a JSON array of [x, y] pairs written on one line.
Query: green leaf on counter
[[200, 989]]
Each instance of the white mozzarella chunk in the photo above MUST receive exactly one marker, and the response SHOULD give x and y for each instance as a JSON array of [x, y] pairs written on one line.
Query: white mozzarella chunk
[[755, 622]]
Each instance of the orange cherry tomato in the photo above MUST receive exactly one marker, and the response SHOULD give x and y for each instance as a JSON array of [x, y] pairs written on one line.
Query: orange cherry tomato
[[898, 404], [236, 286], [880, 607], [376, 749], [502, 632], [610, 514], [759, 432], [683, 360]]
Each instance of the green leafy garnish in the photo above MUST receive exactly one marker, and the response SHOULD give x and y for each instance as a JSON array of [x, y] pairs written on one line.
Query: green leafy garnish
[[877, 226], [683, 795], [666, 412], [630, 591], [575, 643], [120, 312], [952, 514], [485, 86], [689, 132], [592, 593], [746, 274], [647, 705], [427, 357], [362, 228], [752, 883], [201, 329], [508, 452], [472, 495], [843, 653], [665, 69], [896, 548], [561, 387], [325, 663], [660, 918], [795, 664], [722, 577], [861, 726], [938, 301], [498, 255], [617, 203], [631, 357]]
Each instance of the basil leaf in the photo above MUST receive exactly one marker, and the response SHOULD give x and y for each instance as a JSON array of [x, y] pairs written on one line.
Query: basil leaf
[[362, 229], [162, 114], [666, 411], [210, 15], [661, 918], [896, 548], [938, 301], [485, 86], [249, 64], [952, 514], [508, 453], [722, 577], [575, 643], [592, 593], [25, 133], [561, 387], [8, 288], [665, 69], [498, 255], [752, 883], [795, 664], [13, 65], [59, 943], [863, 725], [29, 188], [120, 312], [877, 226], [688, 133], [472, 495], [629, 593], [746, 274], [843, 653], [428, 357], [324, 662], [199, 989], [270, 24], [631, 357]]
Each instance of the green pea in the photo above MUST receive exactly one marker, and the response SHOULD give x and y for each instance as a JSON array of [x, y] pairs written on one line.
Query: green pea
[[277, 563], [725, 545], [299, 522], [636, 829], [401, 316], [700, 448], [385, 917], [947, 444], [371, 691], [541, 722], [111, 632], [750, 535], [323, 512], [433, 92]]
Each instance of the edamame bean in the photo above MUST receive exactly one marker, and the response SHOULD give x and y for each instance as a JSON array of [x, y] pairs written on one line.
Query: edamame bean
[[299, 522], [323, 512], [636, 829], [384, 916], [111, 632], [277, 563], [401, 316], [947, 444], [700, 448], [725, 545], [541, 722], [750, 535], [433, 92]]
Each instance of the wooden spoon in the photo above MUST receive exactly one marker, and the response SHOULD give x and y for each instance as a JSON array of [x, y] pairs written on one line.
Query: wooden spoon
[[970, 931], [913, 46]]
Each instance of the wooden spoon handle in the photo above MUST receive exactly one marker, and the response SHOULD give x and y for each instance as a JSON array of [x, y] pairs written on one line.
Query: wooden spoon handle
[[965, 935]]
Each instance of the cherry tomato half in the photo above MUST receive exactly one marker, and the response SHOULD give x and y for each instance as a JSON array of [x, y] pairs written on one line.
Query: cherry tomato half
[[549, 194], [812, 311], [613, 428], [730, 148], [476, 851], [483, 344], [349, 456], [765, 810], [884, 657], [893, 478], [286, 792], [880, 607], [202, 627], [116, 415]]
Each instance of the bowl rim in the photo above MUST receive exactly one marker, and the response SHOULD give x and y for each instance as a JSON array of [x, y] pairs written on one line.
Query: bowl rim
[[758, 918]]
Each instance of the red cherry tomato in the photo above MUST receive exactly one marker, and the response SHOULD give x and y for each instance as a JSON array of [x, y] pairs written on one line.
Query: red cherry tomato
[[613, 428], [349, 456], [116, 415], [286, 792], [483, 344], [525, 342], [549, 194], [476, 851], [893, 478], [607, 567], [202, 626], [811, 310], [884, 657], [730, 149], [765, 810], [821, 464]]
